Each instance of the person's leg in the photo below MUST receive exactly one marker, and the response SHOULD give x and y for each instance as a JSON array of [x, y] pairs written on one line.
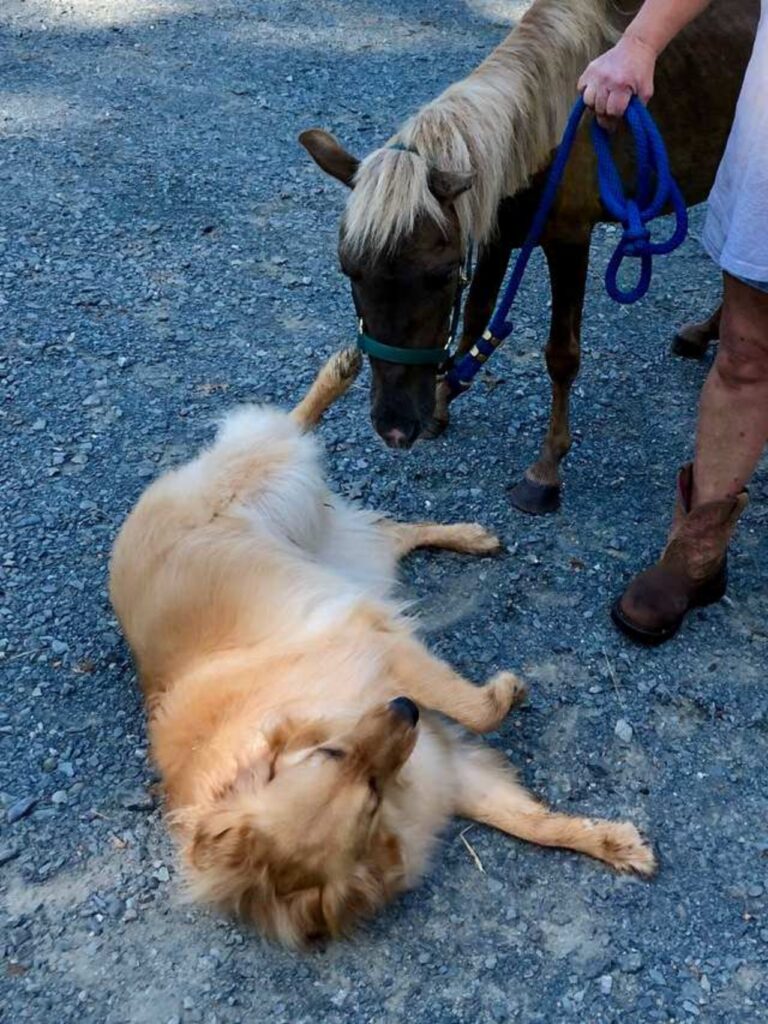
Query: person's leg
[[731, 435], [733, 411]]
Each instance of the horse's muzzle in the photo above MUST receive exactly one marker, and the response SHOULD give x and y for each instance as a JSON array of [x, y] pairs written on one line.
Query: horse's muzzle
[[404, 435]]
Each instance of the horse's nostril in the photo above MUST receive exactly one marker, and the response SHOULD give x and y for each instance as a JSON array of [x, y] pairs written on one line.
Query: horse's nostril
[[396, 438]]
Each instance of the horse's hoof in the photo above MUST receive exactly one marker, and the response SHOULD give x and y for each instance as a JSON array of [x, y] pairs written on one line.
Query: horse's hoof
[[535, 499], [433, 429], [688, 348]]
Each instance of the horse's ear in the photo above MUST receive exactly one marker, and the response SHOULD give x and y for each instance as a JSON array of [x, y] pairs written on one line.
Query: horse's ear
[[449, 185], [329, 154]]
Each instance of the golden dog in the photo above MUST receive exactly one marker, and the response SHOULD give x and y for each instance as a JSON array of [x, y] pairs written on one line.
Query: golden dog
[[282, 681]]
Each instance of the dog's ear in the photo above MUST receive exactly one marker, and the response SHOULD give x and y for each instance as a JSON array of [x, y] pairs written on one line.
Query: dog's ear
[[360, 894], [301, 918], [234, 868], [225, 836]]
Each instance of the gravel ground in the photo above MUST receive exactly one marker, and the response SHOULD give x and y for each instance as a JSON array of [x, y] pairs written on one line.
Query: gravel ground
[[168, 250]]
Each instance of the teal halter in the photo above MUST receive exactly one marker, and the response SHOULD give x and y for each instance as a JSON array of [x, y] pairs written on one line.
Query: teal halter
[[419, 356], [403, 356]]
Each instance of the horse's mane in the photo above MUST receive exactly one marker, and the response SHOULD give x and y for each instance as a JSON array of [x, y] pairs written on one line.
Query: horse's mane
[[501, 122]]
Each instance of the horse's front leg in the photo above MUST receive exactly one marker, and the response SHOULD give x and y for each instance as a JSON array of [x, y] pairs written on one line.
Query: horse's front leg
[[478, 309], [539, 490], [693, 339]]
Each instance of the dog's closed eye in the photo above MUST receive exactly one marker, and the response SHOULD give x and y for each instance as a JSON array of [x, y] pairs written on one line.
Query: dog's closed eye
[[333, 752], [375, 791]]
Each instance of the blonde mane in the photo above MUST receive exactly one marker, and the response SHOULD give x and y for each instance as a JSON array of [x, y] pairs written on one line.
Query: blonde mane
[[501, 122]]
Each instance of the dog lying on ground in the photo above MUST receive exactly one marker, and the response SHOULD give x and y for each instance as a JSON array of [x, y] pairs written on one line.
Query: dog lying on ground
[[284, 683]]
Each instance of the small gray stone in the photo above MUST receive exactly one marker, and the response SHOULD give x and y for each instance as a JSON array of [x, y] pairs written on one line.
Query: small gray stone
[[624, 730], [20, 809], [631, 963], [8, 853], [596, 966], [137, 800], [606, 984], [691, 991], [115, 906], [59, 797]]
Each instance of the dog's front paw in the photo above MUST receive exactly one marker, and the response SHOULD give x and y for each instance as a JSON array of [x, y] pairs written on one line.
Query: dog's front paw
[[502, 692], [625, 849], [347, 364], [476, 540]]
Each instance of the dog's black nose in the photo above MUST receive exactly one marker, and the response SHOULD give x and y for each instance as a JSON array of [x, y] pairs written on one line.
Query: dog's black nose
[[405, 709]]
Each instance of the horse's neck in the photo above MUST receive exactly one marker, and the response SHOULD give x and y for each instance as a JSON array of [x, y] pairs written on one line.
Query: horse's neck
[[504, 120]]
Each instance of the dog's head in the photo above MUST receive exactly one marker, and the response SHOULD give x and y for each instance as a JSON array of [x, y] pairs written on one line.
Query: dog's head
[[297, 840]]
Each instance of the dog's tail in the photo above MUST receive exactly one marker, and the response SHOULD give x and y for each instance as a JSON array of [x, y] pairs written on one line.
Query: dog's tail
[[333, 381]]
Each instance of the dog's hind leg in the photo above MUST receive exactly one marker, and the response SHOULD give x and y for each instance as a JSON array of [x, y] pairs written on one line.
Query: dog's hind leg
[[488, 792], [466, 538], [434, 684], [334, 380]]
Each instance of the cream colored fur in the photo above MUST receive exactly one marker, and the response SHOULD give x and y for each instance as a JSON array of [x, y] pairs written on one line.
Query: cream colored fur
[[501, 122]]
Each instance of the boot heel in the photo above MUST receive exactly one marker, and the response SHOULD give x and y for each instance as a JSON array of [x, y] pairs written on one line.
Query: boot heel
[[712, 591]]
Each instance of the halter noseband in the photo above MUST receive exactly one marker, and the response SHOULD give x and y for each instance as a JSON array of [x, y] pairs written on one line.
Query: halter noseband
[[418, 356]]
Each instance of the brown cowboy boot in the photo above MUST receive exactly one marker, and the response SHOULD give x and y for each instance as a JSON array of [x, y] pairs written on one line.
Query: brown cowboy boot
[[691, 573]]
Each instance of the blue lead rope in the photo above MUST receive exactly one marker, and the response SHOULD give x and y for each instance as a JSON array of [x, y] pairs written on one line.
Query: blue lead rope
[[656, 190]]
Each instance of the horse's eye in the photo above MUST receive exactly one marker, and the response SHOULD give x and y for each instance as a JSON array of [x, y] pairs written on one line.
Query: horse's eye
[[441, 277], [333, 752]]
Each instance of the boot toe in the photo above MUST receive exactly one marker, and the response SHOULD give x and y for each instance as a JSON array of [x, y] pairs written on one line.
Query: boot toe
[[652, 607]]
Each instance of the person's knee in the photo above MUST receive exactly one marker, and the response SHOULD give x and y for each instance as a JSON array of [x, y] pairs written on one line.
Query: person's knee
[[742, 360]]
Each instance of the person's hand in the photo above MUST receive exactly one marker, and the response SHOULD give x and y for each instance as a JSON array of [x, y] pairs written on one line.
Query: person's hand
[[611, 80]]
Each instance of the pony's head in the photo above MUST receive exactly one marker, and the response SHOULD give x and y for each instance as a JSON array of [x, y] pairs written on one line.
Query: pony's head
[[401, 244]]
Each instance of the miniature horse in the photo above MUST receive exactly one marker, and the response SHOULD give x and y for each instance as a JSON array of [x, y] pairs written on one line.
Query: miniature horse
[[471, 164]]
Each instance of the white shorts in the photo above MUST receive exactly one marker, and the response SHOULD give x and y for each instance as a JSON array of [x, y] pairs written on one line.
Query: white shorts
[[736, 229]]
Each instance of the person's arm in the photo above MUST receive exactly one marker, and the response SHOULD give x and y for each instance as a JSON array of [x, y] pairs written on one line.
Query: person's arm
[[611, 80]]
